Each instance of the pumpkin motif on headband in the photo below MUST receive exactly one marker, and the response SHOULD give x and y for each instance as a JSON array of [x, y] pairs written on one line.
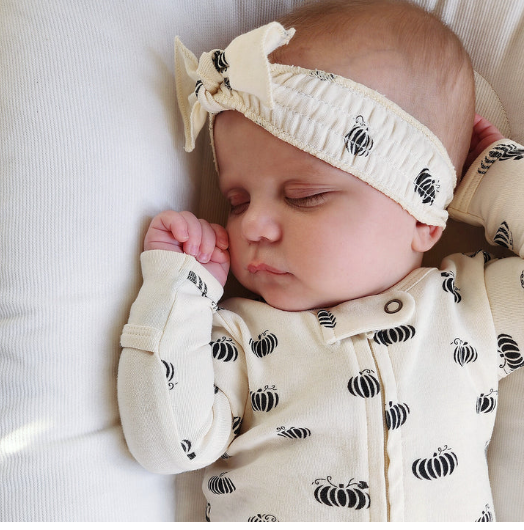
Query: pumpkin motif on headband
[[357, 140], [219, 61], [426, 186]]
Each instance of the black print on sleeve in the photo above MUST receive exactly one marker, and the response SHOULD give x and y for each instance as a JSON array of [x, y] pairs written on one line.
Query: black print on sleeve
[[440, 465], [186, 446], [221, 485], [351, 495], [486, 517], [504, 237], [509, 351], [170, 373], [500, 152], [357, 140], [263, 518], [293, 432]]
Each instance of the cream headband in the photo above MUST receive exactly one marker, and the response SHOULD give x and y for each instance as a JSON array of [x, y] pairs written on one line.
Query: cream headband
[[333, 118]]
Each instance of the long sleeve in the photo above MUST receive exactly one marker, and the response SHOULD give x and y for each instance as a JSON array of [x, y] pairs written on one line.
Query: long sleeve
[[492, 195], [174, 417]]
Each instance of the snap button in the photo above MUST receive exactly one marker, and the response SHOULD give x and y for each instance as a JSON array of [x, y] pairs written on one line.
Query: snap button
[[393, 306]]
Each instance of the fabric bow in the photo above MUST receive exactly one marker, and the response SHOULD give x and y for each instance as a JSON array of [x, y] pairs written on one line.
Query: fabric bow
[[242, 67]]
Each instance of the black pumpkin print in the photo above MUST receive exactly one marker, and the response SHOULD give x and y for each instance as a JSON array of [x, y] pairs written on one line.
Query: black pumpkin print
[[487, 256], [224, 349], [364, 385], [208, 513], [170, 373], [357, 140], [464, 352], [449, 285], [294, 432], [440, 465], [500, 152], [263, 518], [522, 279], [186, 446], [198, 86], [504, 237], [486, 517], [237, 424], [219, 61], [225, 456], [227, 84], [508, 350], [266, 344], [197, 280], [487, 402], [426, 186], [393, 335], [326, 318], [396, 415], [221, 485], [351, 495], [264, 399], [323, 76]]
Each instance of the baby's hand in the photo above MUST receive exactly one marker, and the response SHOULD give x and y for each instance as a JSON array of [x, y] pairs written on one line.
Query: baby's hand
[[484, 134], [183, 232]]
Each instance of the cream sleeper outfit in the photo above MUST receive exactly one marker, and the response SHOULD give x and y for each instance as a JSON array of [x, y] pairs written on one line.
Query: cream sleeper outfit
[[377, 409]]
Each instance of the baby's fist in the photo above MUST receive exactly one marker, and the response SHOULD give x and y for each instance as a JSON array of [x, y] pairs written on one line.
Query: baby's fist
[[183, 232]]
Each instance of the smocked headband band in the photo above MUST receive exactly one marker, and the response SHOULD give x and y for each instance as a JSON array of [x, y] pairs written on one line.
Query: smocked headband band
[[344, 123]]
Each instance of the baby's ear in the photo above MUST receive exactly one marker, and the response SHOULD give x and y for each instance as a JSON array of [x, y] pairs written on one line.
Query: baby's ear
[[425, 237]]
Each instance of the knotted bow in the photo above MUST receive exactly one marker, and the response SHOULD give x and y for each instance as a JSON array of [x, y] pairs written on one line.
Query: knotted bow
[[242, 67]]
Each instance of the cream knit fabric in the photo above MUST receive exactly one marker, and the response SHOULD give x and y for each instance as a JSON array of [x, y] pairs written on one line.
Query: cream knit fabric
[[344, 123]]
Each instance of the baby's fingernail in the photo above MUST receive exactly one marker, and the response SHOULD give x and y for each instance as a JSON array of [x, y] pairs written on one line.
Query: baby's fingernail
[[193, 250], [203, 258]]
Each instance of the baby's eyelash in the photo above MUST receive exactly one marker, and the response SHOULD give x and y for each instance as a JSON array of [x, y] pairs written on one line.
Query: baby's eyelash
[[308, 201]]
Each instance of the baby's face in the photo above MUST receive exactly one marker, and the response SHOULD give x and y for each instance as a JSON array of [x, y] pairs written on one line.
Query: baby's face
[[304, 234]]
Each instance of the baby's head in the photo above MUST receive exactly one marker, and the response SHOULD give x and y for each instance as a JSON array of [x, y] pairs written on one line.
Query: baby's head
[[305, 232]]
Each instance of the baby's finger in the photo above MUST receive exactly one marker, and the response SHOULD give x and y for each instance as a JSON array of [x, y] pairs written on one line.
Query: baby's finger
[[207, 243], [222, 239], [194, 233]]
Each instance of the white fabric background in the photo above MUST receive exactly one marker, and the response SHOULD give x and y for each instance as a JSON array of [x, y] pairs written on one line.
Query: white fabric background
[[90, 150]]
